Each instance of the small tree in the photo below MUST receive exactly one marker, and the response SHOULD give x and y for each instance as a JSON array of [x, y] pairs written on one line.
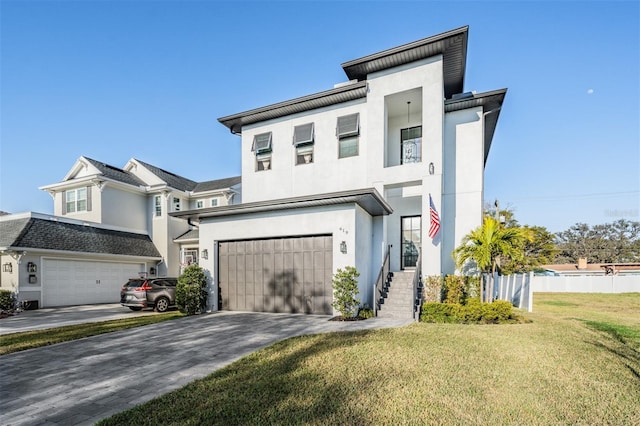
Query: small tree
[[191, 293], [345, 289]]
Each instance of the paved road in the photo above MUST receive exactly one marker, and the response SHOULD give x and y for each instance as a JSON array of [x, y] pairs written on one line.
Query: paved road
[[81, 382]]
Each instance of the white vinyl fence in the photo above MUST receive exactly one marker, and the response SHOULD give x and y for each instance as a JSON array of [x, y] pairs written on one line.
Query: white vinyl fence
[[519, 288], [587, 284]]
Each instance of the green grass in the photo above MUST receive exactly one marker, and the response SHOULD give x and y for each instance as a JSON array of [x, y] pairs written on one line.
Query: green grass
[[15, 342], [577, 362]]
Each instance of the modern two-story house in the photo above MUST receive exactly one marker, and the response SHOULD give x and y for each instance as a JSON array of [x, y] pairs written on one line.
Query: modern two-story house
[[350, 177]]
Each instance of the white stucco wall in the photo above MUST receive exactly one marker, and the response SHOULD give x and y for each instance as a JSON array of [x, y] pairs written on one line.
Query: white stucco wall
[[122, 208], [463, 179]]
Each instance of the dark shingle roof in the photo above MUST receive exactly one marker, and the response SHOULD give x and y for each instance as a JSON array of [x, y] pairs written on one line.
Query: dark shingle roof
[[35, 233], [212, 185], [115, 173], [172, 179]]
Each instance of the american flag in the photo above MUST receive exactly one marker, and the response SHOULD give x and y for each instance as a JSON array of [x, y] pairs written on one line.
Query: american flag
[[434, 221]]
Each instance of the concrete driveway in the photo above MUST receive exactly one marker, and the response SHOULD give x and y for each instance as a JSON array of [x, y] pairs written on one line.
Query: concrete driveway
[[83, 381]]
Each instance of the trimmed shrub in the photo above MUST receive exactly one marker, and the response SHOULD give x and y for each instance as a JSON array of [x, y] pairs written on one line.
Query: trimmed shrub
[[474, 312], [432, 290], [345, 289], [496, 312], [8, 301], [191, 291], [439, 312], [365, 312], [454, 289]]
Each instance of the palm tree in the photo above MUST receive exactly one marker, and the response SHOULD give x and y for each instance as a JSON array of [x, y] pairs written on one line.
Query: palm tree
[[487, 244]]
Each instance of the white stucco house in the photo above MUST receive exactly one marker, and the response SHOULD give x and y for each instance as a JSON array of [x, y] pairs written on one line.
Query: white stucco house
[[109, 224], [344, 177]]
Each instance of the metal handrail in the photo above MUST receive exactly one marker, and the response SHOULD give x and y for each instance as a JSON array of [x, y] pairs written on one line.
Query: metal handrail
[[383, 277], [417, 287]]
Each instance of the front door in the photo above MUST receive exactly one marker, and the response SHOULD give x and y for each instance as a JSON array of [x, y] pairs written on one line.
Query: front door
[[410, 234]]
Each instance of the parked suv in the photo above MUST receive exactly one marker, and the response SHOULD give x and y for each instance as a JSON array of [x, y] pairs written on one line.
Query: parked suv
[[158, 293]]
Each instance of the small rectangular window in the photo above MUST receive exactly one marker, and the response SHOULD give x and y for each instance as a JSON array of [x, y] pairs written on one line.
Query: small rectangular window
[[157, 202], [176, 204], [262, 143], [199, 204], [76, 200], [214, 202], [348, 132]]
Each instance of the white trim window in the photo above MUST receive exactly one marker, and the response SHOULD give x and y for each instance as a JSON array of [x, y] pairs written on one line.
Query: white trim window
[[199, 204], [411, 145], [348, 133], [262, 146], [177, 204], [215, 202], [303, 139], [157, 206], [76, 200]]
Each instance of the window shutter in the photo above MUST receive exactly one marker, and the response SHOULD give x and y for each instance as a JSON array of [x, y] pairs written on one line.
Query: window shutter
[[88, 198], [303, 134], [348, 125], [64, 202]]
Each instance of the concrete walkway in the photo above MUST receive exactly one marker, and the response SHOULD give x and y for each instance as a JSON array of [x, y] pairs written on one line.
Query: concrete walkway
[[81, 382]]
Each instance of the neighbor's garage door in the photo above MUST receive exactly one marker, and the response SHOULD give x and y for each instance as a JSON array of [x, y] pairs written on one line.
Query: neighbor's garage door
[[79, 282], [277, 275]]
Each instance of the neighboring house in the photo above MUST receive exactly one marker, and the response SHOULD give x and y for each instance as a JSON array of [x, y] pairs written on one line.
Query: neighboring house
[[55, 261], [139, 197], [335, 178], [582, 268]]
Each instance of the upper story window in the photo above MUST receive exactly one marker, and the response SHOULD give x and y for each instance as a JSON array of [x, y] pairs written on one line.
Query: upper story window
[[177, 202], [262, 148], [303, 139], [214, 202], [348, 132], [411, 145], [199, 204], [76, 200], [157, 206]]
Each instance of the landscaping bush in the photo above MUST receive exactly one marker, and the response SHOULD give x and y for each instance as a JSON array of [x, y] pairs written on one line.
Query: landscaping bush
[[7, 301], [191, 292], [365, 312], [454, 289], [432, 290], [473, 312], [345, 289]]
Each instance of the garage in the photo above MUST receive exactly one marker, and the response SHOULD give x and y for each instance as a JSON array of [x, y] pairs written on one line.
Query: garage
[[291, 275], [79, 282]]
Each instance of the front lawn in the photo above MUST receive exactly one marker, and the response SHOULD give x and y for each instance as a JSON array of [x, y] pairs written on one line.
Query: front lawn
[[577, 362]]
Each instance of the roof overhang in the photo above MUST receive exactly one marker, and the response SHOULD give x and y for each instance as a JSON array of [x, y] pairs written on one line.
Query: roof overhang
[[452, 45], [368, 199], [491, 103], [346, 93]]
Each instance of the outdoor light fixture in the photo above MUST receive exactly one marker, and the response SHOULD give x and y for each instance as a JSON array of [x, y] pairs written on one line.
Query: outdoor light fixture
[[152, 271], [431, 168], [7, 267], [205, 254], [343, 247], [31, 267]]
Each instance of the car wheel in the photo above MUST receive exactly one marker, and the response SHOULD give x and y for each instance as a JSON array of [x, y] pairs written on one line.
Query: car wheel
[[135, 308], [162, 304]]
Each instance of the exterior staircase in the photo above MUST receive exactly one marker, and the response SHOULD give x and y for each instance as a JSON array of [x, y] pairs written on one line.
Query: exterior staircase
[[398, 302]]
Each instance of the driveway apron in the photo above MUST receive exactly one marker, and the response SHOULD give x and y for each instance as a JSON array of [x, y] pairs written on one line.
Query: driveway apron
[[83, 381]]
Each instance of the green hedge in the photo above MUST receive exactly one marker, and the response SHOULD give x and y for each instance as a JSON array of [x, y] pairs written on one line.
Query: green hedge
[[500, 311], [7, 301]]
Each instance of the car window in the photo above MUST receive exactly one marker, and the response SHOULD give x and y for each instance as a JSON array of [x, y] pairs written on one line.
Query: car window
[[134, 283]]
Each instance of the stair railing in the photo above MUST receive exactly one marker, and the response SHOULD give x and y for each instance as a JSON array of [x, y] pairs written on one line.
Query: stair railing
[[381, 282], [417, 287]]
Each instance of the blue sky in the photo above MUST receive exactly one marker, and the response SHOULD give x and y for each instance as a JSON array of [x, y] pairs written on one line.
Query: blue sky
[[113, 80]]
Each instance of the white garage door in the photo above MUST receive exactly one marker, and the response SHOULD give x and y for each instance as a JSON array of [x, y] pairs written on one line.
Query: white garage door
[[79, 282]]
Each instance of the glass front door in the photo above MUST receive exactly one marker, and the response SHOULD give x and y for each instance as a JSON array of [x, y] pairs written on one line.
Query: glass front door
[[410, 234]]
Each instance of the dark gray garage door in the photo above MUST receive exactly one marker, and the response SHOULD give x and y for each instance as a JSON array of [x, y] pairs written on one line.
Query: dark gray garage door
[[277, 275]]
